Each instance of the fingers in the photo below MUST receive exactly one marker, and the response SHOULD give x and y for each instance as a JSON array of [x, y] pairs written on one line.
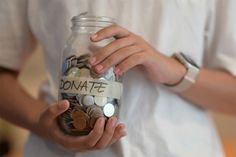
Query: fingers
[[81, 143], [97, 139], [111, 31], [130, 62], [117, 57], [119, 133], [106, 51], [125, 52], [108, 133], [96, 133], [55, 110]]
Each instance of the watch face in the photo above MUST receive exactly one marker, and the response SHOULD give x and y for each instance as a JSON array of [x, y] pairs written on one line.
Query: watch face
[[189, 60]]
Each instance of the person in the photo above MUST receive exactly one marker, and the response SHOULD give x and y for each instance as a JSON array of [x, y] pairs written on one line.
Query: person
[[164, 111]]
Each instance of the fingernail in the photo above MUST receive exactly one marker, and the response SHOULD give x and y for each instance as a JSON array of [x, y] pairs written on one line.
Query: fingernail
[[124, 133], [92, 60], [62, 105], [117, 70], [101, 122], [113, 123], [98, 68], [94, 36]]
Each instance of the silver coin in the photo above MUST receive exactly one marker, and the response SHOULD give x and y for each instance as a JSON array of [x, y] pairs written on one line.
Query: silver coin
[[78, 98], [68, 96], [88, 100], [73, 62], [100, 101], [69, 60], [73, 72], [103, 79], [64, 67], [109, 74], [110, 100], [108, 110]]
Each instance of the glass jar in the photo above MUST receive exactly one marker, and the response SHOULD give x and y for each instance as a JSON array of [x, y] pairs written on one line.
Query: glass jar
[[91, 95]]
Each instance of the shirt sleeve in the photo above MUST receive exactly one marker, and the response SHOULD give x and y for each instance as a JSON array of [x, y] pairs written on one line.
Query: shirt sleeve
[[16, 39], [220, 46]]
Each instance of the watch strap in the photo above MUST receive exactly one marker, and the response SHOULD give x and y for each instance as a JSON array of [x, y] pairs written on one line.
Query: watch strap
[[189, 78]]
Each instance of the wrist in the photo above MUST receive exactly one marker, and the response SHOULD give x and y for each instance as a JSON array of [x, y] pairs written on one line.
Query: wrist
[[164, 69], [34, 117], [189, 78], [177, 73]]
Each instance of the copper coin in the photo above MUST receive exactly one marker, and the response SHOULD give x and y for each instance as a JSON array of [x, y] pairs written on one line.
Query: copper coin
[[80, 123]]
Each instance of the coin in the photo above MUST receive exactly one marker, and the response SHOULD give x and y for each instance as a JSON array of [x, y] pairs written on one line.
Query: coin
[[64, 67], [80, 123], [83, 58], [73, 72], [77, 113], [109, 74], [73, 62], [110, 100], [92, 110], [95, 113], [100, 101], [88, 100], [79, 118], [103, 79], [85, 72], [109, 110]]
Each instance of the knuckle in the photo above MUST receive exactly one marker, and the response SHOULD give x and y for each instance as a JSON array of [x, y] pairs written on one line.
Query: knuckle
[[129, 49], [106, 50], [98, 132], [139, 56], [109, 132], [109, 61], [89, 145]]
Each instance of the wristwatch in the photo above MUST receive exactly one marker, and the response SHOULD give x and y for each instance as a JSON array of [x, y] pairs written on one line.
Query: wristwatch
[[190, 77]]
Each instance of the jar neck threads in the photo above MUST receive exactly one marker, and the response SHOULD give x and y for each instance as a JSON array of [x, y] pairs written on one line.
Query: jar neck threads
[[91, 21]]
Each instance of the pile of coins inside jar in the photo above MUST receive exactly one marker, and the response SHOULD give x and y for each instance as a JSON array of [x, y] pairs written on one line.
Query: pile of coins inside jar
[[84, 109]]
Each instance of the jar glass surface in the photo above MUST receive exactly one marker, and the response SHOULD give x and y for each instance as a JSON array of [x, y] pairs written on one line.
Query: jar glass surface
[[91, 95]]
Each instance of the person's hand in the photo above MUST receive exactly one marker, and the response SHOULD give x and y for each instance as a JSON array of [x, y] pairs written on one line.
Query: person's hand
[[102, 136], [130, 50]]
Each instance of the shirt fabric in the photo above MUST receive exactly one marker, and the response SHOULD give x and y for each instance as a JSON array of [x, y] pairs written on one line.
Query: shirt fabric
[[159, 122]]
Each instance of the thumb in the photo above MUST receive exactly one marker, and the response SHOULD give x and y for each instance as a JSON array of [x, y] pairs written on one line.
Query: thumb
[[54, 110]]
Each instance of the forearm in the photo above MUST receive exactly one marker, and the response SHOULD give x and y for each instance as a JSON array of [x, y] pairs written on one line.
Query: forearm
[[214, 90], [17, 106]]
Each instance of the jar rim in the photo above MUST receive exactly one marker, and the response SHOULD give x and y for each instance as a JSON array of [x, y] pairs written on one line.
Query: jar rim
[[90, 18]]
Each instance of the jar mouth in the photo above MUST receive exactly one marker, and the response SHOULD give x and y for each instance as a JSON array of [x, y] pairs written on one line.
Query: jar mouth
[[84, 20], [76, 19]]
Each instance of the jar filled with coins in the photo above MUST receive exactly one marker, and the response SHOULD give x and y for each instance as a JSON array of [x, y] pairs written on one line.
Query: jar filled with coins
[[90, 95]]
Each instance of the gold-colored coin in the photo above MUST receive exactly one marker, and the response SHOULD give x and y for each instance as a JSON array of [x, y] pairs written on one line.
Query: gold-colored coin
[[80, 123], [77, 113], [84, 72]]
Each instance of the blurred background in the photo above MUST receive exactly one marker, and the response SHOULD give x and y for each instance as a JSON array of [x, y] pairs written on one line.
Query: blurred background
[[13, 138]]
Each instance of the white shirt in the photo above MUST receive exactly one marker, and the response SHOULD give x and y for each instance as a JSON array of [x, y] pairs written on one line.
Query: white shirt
[[159, 122]]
